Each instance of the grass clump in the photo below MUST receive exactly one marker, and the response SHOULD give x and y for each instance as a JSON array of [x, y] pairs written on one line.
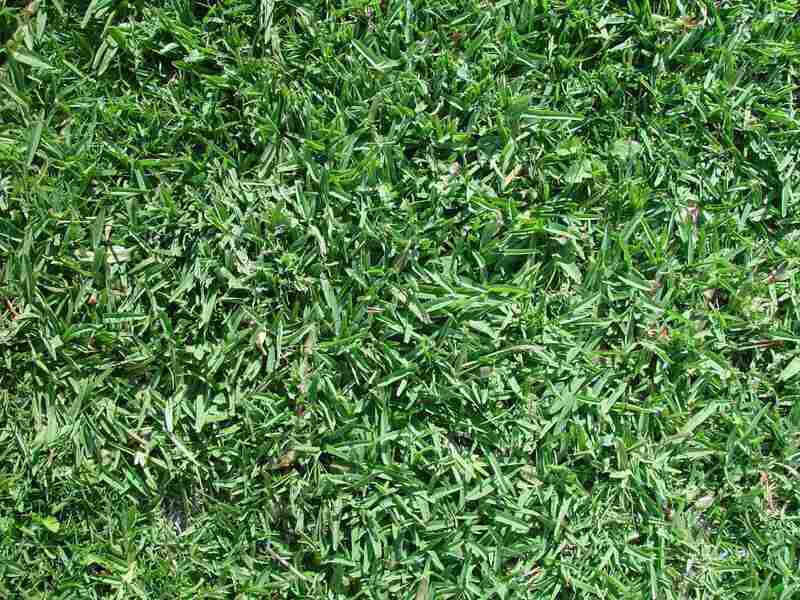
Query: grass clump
[[399, 299]]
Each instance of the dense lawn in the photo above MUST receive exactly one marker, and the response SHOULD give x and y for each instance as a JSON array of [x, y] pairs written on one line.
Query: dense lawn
[[400, 299]]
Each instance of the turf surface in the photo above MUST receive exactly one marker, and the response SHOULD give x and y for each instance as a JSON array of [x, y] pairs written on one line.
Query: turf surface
[[399, 299]]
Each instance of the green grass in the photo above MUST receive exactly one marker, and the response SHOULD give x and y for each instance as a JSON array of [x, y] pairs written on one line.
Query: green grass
[[400, 299]]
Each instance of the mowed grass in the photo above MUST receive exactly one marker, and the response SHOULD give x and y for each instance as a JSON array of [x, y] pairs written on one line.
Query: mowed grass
[[399, 299]]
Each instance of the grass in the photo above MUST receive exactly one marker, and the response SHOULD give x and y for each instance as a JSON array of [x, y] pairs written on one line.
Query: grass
[[399, 299]]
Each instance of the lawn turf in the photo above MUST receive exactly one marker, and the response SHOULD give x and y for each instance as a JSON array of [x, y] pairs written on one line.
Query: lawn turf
[[399, 299]]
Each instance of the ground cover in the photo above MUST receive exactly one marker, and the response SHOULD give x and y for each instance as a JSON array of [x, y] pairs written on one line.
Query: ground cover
[[399, 299]]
